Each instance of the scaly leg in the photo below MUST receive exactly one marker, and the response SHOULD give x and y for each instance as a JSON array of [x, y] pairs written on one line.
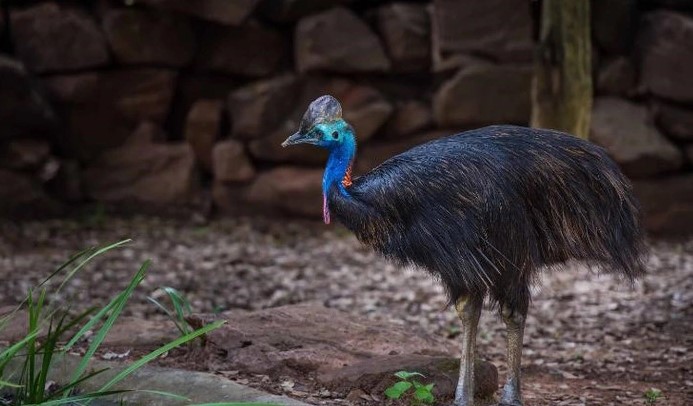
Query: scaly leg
[[515, 326], [468, 310]]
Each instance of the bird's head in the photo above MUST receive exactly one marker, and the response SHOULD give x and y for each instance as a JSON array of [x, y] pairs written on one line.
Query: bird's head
[[322, 125]]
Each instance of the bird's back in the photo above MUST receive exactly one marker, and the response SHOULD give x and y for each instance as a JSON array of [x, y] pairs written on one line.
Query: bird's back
[[485, 208]]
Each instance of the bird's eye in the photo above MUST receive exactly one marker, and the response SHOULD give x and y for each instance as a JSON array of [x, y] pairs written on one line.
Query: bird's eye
[[335, 135]]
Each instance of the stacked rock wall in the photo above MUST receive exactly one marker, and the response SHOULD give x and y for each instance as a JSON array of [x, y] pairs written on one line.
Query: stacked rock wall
[[163, 102]]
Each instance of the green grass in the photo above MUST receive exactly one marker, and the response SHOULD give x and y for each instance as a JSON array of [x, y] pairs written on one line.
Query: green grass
[[652, 395], [49, 337], [420, 393], [180, 310]]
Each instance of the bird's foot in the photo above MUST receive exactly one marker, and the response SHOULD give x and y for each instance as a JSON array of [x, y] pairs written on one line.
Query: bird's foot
[[510, 396], [463, 400], [509, 399]]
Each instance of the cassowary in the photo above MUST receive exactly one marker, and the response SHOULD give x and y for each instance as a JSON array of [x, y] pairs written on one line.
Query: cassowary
[[483, 211]]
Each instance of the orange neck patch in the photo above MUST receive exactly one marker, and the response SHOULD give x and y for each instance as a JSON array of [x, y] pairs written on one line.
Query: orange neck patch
[[346, 181]]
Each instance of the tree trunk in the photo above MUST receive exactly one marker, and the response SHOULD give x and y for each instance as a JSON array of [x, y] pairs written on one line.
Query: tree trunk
[[562, 85]]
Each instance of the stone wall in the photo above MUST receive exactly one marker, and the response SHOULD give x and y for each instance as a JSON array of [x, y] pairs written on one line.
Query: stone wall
[[163, 102]]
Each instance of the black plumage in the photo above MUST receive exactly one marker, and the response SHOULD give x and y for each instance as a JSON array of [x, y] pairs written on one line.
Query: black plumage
[[485, 209]]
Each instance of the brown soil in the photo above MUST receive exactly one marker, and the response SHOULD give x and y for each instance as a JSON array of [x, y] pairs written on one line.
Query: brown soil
[[590, 339]]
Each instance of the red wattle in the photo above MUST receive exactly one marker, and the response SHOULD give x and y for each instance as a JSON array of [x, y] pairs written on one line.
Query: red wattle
[[325, 210]]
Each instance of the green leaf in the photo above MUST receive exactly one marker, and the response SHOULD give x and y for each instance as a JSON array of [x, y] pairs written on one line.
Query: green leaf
[[65, 265], [396, 390], [67, 389], [178, 300], [424, 395], [406, 375], [118, 307], [7, 354], [156, 353], [430, 386], [181, 307], [652, 395], [92, 254], [161, 307], [8, 384]]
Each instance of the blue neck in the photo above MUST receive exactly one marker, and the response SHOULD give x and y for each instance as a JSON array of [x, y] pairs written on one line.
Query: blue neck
[[340, 158]]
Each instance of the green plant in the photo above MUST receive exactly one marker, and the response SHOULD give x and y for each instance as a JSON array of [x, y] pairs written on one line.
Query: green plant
[[181, 309], [422, 393], [47, 329], [652, 395]]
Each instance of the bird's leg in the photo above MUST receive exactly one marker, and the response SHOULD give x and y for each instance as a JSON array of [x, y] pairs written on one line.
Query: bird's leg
[[515, 326], [468, 310]]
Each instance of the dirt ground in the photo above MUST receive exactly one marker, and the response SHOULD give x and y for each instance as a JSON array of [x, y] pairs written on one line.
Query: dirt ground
[[590, 339]]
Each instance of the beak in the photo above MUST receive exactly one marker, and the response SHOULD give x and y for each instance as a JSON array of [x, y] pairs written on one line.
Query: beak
[[299, 138]]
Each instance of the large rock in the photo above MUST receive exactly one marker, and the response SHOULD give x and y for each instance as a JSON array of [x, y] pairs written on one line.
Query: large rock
[[406, 31], [145, 133], [24, 154], [158, 174], [676, 121], [408, 118], [684, 5], [455, 62], [667, 55], [270, 149], [51, 38], [354, 353], [616, 77], [219, 11], [103, 108], [376, 374], [667, 204], [498, 28], [292, 10], [25, 111], [227, 198], [627, 133], [193, 86], [258, 108], [249, 341], [203, 128], [3, 30], [614, 24], [337, 40], [67, 182], [484, 94], [22, 195], [252, 50], [141, 37], [364, 108], [231, 163], [288, 190]]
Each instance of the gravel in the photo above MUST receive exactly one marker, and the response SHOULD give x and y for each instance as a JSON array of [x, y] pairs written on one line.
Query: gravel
[[582, 326]]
